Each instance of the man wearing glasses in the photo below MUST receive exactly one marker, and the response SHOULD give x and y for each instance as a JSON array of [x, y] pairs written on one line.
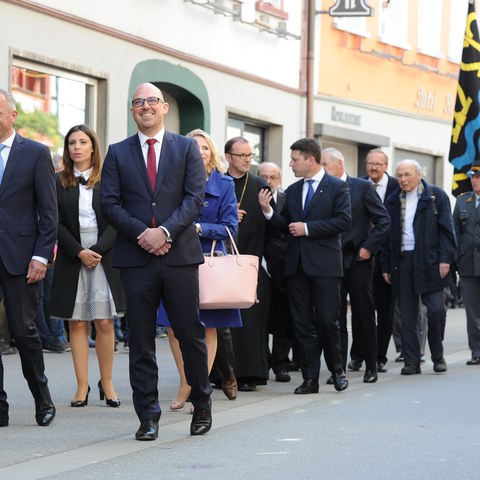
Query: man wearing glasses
[[153, 186], [250, 343], [280, 319]]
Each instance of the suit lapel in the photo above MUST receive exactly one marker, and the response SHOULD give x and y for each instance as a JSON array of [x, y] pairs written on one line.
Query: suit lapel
[[137, 155], [13, 158], [318, 193], [164, 161]]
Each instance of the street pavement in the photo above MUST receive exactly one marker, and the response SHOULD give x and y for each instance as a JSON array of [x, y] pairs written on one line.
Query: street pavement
[[417, 427]]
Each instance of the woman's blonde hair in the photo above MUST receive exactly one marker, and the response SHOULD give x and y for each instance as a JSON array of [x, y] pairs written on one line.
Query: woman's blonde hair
[[215, 162]]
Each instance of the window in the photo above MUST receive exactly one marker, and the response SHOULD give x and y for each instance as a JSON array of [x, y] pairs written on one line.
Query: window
[[393, 24], [355, 25], [458, 17], [430, 27], [50, 102], [255, 134]]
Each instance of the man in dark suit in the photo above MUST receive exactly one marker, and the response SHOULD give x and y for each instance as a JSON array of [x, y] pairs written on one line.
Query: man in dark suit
[[369, 228], [280, 324], [376, 163], [153, 186], [316, 211], [28, 226], [416, 261], [466, 219]]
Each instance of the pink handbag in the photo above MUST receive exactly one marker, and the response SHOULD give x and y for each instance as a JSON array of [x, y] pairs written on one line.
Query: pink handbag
[[228, 281]]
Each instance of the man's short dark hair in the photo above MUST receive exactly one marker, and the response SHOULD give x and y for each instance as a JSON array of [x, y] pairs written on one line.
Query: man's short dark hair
[[232, 141], [308, 147]]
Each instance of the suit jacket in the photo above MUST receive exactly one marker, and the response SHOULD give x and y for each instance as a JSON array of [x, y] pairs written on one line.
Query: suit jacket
[[370, 221], [129, 203], [327, 216], [466, 220], [28, 206], [67, 264]]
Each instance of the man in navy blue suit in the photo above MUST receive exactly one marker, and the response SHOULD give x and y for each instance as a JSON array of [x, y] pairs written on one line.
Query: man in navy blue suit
[[28, 229], [316, 211], [153, 186]]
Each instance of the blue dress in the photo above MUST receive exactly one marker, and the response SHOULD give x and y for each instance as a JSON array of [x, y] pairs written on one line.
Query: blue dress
[[219, 210]]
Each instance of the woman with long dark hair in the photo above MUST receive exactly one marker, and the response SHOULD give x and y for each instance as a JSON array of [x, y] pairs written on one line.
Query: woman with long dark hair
[[85, 286]]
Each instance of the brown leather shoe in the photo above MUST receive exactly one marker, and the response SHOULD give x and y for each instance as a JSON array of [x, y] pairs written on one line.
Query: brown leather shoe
[[230, 388]]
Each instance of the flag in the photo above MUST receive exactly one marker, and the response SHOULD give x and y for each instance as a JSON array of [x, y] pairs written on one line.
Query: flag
[[465, 141]]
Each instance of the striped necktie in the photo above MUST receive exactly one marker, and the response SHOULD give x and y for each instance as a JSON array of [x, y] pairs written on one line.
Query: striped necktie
[[310, 193]]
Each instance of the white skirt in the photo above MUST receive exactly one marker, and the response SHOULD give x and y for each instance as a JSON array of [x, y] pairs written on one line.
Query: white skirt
[[94, 299]]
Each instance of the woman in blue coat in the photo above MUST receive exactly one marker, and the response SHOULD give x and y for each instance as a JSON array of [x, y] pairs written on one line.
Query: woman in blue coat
[[219, 211]]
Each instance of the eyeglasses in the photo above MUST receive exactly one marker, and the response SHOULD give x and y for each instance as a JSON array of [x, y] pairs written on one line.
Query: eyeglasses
[[139, 102], [243, 156], [271, 177], [375, 165]]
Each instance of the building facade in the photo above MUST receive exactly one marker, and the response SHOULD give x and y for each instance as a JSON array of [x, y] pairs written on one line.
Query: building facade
[[239, 67]]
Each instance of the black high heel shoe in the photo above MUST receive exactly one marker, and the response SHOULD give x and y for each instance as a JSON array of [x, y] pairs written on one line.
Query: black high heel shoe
[[111, 402], [80, 403]]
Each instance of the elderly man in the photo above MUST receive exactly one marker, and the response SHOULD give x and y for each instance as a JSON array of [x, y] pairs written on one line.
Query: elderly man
[[466, 218], [421, 247], [360, 243]]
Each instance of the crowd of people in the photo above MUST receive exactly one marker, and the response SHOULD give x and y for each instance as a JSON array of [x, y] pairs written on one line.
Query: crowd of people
[[125, 236]]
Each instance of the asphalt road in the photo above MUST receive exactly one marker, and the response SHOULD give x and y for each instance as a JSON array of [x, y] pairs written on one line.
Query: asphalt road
[[420, 427]]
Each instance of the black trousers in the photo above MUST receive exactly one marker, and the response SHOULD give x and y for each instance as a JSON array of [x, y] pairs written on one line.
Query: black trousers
[[409, 305], [358, 283], [177, 288], [21, 303], [315, 308]]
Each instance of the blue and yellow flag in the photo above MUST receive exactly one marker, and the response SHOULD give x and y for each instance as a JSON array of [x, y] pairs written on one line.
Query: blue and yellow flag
[[465, 142]]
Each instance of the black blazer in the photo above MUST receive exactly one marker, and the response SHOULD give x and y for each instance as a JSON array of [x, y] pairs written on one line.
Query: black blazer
[[370, 221], [28, 206], [67, 264], [328, 215], [129, 203]]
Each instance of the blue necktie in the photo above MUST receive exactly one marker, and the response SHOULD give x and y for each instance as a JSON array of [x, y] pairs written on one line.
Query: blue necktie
[[2, 169], [310, 193]]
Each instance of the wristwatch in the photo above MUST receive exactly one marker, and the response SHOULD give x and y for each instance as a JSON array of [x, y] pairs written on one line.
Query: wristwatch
[[199, 228]]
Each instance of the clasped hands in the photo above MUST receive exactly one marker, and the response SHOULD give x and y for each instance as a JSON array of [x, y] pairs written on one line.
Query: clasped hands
[[154, 240]]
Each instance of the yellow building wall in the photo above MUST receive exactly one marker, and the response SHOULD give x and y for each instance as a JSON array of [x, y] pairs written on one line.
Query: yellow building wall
[[372, 72]]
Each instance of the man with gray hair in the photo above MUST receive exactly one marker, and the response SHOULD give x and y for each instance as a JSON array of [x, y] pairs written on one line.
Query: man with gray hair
[[416, 261], [360, 243]]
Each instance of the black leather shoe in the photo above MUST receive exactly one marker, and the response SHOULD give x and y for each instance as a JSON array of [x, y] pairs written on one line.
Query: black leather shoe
[[381, 368], [355, 365], [3, 419], [330, 380], [45, 414], [247, 387], [370, 377], [340, 381], [400, 358], [474, 361], [308, 386], [202, 419], [411, 370], [440, 366], [282, 377], [148, 431]]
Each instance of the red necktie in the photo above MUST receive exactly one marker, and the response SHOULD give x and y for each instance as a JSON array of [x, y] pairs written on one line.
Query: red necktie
[[152, 162], [152, 167]]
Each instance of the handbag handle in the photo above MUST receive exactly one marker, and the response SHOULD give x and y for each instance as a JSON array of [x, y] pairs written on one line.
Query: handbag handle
[[232, 242]]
